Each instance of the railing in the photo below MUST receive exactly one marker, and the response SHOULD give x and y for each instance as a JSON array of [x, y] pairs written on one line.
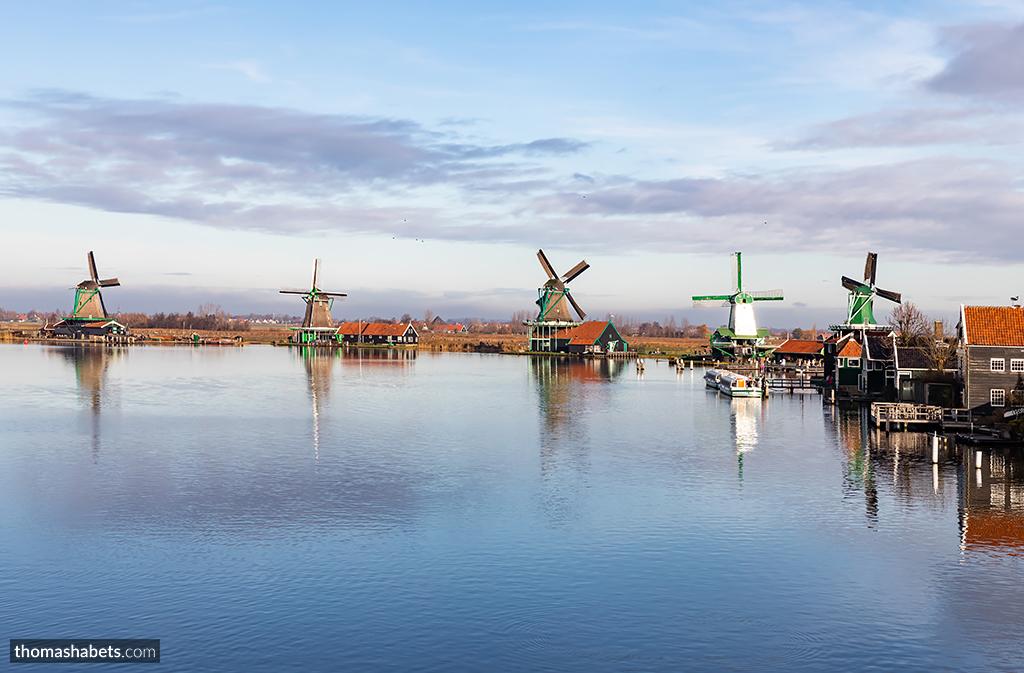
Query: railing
[[792, 384], [905, 413], [956, 415]]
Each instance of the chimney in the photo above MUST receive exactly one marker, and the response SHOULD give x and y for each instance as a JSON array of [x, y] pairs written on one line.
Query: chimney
[[938, 330]]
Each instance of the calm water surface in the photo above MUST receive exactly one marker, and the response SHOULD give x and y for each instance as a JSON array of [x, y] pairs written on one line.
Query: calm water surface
[[275, 509]]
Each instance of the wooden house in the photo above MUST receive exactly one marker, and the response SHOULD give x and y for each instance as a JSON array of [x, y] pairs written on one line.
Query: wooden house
[[89, 329], [926, 375], [841, 358], [593, 337], [378, 334], [800, 352], [990, 356]]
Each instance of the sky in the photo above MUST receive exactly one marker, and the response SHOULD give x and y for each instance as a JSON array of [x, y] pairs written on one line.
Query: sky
[[209, 152]]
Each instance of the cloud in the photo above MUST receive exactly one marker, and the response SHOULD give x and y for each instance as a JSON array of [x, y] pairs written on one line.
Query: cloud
[[945, 209], [246, 166], [912, 127], [288, 171], [989, 62]]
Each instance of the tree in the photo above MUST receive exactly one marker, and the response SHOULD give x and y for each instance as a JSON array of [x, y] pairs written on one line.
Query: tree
[[798, 333], [910, 324], [428, 317]]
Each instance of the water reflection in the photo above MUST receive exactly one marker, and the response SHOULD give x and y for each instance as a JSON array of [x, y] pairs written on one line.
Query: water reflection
[[568, 391], [90, 364], [989, 496], [358, 357], [319, 364], [562, 389], [993, 503]]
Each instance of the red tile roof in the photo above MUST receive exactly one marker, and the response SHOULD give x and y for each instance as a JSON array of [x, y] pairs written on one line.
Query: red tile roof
[[373, 329], [852, 349], [350, 328], [994, 325], [586, 334], [448, 328], [800, 347]]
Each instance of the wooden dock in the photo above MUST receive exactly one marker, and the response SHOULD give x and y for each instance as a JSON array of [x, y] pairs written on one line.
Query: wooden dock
[[900, 416]]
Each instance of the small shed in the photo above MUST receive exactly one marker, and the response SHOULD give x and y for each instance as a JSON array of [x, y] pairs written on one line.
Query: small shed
[[593, 337], [802, 352]]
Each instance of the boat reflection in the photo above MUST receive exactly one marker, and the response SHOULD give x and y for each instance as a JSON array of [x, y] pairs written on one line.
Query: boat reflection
[[743, 415]]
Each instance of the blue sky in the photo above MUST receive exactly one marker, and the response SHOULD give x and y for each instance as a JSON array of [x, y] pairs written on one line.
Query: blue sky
[[208, 152]]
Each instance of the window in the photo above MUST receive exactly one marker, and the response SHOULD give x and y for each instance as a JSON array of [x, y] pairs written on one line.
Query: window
[[997, 365], [1016, 365], [853, 362], [997, 397]]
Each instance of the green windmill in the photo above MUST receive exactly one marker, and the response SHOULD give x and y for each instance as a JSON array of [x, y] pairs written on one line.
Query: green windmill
[[859, 306], [741, 337]]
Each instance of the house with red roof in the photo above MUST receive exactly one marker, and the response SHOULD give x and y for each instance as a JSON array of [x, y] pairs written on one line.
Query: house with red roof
[[593, 337], [449, 329], [802, 352], [990, 350], [378, 333]]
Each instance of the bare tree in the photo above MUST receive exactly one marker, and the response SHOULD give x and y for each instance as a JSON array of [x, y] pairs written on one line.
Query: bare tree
[[910, 323], [428, 317]]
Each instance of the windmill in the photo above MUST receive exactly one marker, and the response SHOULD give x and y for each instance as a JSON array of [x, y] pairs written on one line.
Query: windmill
[[88, 299], [742, 336], [318, 308], [554, 293], [859, 308]]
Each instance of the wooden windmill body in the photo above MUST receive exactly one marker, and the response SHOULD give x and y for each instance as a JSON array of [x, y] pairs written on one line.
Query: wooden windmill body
[[317, 324], [553, 302]]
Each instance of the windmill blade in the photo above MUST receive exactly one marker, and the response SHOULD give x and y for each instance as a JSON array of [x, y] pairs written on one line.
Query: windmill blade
[[332, 294], [766, 295], [110, 282], [92, 268], [548, 269], [575, 271], [891, 296], [869, 268], [102, 305], [713, 297], [316, 269], [292, 290], [711, 302], [851, 284], [737, 273], [579, 311]]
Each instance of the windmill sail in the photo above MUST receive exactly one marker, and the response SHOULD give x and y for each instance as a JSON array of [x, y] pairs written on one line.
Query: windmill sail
[[860, 306], [742, 326], [318, 302], [88, 297], [554, 297]]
